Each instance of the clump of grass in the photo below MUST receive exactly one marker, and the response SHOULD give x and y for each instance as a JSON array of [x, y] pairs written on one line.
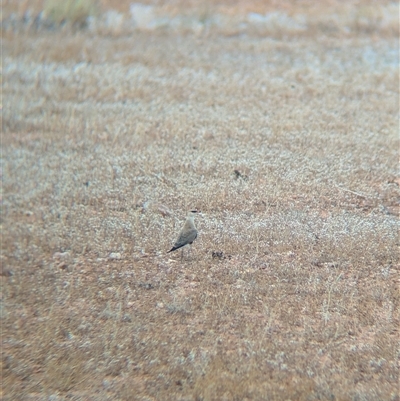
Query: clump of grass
[[75, 12]]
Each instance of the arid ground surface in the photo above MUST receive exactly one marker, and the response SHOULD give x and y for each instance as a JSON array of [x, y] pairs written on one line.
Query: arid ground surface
[[284, 134]]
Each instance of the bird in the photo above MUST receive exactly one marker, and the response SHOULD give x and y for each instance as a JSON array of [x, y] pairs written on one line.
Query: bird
[[188, 233]]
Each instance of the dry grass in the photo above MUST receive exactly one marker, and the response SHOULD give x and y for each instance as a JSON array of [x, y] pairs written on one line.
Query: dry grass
[[74, 11], [108, 141], [333, 18]]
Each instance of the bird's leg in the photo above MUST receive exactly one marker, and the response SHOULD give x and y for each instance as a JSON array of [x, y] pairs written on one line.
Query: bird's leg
[[182, 255]]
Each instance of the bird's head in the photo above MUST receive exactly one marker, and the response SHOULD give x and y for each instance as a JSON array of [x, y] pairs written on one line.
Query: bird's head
[[193, 213]]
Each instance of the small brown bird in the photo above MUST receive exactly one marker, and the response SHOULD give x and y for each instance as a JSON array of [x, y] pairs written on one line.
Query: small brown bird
[[188, 233]]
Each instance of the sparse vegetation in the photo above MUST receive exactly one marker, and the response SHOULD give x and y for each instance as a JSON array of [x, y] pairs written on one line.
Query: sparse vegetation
[[289, 147], [75, 12]]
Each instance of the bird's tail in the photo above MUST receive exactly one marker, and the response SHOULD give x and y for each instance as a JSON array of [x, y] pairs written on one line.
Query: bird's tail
[[174, 248]]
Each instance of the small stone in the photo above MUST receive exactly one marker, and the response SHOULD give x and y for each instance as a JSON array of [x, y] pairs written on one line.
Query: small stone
[[127, 317], [164, 211], [61, 255], [106, 384], [63, 266], [217, 255], [115, 256], [6, 272]]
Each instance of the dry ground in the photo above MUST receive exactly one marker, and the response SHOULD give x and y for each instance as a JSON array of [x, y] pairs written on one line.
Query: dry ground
[[108, 140]]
